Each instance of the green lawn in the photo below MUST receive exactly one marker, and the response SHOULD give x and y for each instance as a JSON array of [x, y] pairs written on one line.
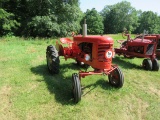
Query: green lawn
[[29, 92]]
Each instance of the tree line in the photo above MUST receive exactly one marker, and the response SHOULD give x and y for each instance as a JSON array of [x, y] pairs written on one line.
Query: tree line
[[50, 18]]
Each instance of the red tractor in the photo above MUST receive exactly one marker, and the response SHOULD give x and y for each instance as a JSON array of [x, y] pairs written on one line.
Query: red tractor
[[94, 51], [143, 46]]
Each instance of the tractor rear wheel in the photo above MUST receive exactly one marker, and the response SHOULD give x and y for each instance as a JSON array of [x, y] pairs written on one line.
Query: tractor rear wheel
[[116, 78], [147, 64], [155, 65], [52, 59], [76, 87]]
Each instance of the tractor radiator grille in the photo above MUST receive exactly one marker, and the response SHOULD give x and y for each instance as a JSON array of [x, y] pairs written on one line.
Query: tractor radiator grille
[[150, 49], [101, 52]]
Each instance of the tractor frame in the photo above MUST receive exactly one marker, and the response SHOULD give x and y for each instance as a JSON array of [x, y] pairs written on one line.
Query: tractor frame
[[94, 51], [142, 46]]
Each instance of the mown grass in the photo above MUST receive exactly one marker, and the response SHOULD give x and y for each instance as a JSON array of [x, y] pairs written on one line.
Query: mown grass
[[28, 91]]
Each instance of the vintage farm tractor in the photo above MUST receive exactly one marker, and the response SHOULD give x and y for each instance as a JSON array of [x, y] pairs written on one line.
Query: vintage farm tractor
[[143, 46], [94, 51]]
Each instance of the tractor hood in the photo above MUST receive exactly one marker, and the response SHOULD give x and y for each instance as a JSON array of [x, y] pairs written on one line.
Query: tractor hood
[[93, 38], [138, 40]]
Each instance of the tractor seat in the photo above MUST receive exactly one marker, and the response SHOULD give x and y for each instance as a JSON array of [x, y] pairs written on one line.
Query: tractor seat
[[66, 40]]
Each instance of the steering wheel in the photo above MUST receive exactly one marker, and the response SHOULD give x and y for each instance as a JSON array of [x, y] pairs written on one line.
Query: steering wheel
[[126, 33]]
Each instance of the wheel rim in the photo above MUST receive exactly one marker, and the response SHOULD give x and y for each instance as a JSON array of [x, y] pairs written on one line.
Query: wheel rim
[[147, 64], [116, 78]]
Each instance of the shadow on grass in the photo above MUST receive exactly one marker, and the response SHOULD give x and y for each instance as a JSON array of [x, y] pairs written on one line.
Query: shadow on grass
[[57, 84], [125, 64], [61, 84], [101, 82]]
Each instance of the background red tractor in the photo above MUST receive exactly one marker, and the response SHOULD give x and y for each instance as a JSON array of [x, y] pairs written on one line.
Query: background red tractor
[[143, 46], [94, 51]]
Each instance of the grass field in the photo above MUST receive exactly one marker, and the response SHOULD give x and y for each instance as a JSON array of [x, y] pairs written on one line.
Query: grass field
[[29, 92]]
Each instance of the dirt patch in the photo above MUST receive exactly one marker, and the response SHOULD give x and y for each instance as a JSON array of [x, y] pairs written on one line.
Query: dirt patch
[[134, 108], [31, 50], [155, 91], [142, 109], [4, 59], [38, 60], [6, 104]]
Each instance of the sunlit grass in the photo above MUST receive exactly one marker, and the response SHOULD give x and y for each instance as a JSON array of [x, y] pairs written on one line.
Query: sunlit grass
[[28, 91]]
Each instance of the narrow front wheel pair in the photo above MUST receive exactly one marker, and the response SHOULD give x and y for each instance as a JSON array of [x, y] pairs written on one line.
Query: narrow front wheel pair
[[150, 65], [116, 79]]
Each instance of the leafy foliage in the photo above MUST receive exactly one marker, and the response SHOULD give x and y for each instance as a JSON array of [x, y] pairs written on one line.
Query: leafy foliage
[[49, 18], [69, 18], [119, 16], [94, 22], [43, 26], [7, 22], [46, 17], [149, 21]]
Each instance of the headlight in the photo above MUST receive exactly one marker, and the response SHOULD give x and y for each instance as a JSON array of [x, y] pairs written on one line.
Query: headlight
[[108, 54], [87, 57]]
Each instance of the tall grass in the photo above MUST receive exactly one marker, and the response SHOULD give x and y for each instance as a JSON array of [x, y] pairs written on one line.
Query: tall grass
[[28, 91]]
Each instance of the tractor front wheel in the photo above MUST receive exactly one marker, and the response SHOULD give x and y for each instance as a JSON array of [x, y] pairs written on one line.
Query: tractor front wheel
[[76, 87], [52, 59], [155, 65], [147, 64], [116, 78]]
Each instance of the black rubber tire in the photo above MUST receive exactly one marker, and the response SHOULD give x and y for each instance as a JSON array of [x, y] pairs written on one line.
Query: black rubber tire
[[52, 58], [77, 92], [155, 65], [116, 78], [147, 64]]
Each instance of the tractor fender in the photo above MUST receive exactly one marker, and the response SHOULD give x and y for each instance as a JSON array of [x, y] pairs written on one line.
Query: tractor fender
[[66, 41], [59, 48]]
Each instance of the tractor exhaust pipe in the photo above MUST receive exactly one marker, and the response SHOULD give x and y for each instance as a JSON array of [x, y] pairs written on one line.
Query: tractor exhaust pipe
[[143, 35], [84, 28]]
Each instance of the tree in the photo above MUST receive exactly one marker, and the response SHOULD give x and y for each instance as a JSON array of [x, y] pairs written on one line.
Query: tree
[[69, 16], [8, 22], [37, 18], [119, 16], [44, 17], [54, 17], [94, 22], [43, 26], [149, 21]]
